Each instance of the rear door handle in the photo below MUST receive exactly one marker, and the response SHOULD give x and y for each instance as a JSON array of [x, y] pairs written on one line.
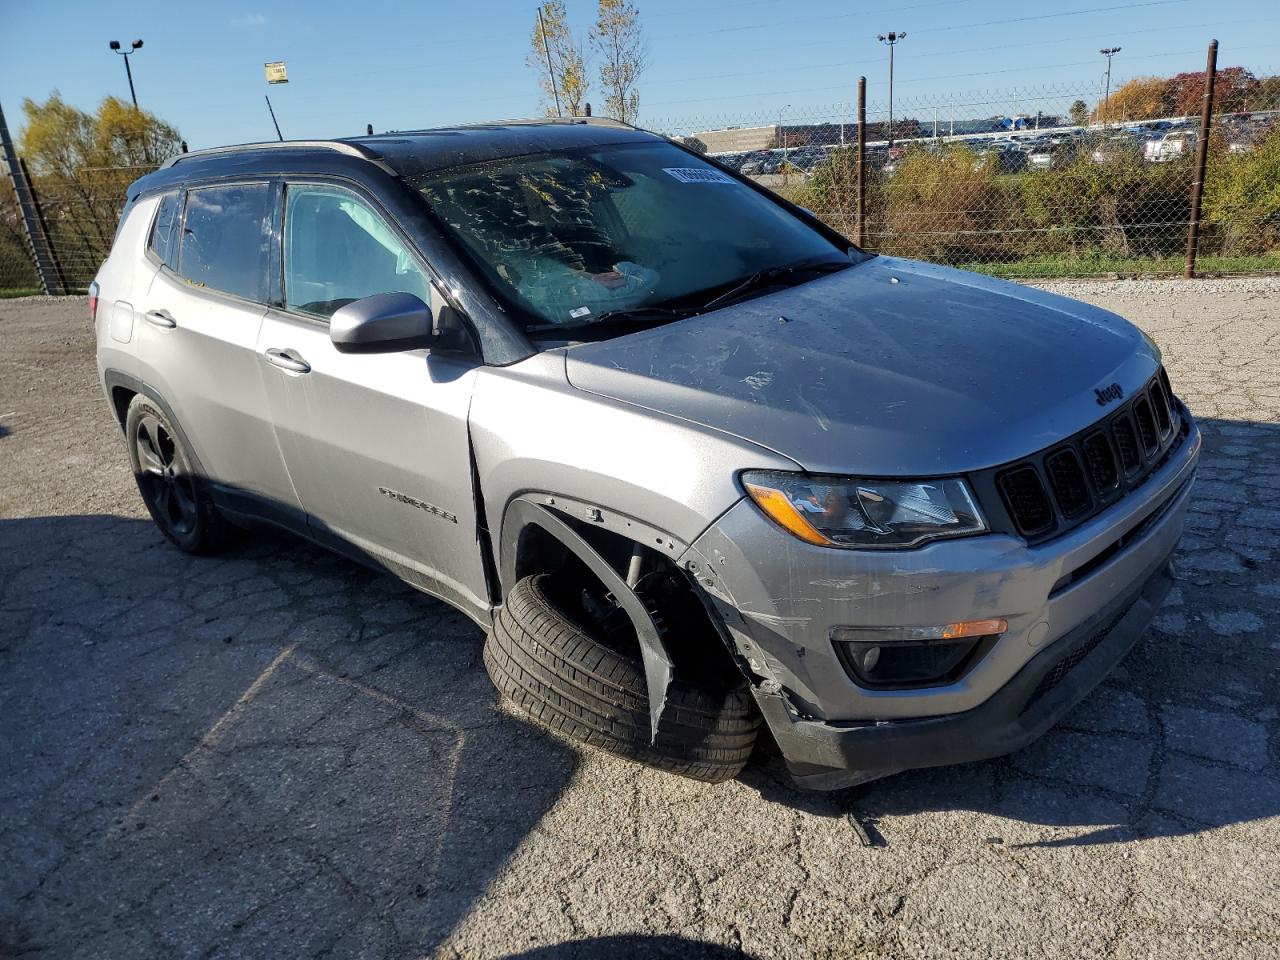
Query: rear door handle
[[161, 318], [287, 360]]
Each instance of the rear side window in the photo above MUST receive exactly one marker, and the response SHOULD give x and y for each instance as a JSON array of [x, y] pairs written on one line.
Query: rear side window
[[164, 241], [226, 239]]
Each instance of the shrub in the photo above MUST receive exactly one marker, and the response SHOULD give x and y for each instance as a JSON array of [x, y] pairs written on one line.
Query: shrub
[[1124, 206], [946, 205], [1242, 198]]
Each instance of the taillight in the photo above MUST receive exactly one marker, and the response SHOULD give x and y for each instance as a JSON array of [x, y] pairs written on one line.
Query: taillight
[[93, 301]]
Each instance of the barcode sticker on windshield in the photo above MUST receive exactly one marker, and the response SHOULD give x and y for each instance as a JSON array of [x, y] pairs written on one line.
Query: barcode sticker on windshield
[[698, 175]]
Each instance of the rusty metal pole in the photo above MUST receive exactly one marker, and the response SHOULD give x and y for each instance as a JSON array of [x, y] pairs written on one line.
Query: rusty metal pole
[[860, 210], [1202, 160], [44, 228], [22, 188]]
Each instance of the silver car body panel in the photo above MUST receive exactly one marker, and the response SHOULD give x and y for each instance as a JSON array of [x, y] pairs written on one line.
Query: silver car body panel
[[534, 435], [888, 369], [377, 448]]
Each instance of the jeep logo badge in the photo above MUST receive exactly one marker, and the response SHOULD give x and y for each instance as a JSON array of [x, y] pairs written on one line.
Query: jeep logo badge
[[1108, 393]]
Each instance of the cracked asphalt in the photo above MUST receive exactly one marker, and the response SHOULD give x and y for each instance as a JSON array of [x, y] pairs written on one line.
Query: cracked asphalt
[[274, 753]]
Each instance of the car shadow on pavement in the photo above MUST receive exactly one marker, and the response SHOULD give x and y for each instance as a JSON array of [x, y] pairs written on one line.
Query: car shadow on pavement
[[269, 752]]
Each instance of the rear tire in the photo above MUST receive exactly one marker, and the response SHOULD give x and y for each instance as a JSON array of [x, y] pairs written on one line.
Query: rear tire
[[169, 485], [553, 670]]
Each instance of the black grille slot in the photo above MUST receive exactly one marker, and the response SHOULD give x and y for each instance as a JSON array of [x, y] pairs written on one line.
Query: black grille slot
[[1063, 486], [1127, 444], [1067, 479], [1161, 406], [1028, 504], [1164, 385], [1146, 425], [1101, 462]]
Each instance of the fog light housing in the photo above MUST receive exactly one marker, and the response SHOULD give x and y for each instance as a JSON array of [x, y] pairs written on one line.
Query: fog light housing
[[890, 658]]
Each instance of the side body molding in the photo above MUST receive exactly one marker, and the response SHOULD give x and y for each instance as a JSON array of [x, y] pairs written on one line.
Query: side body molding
[[523, 514]]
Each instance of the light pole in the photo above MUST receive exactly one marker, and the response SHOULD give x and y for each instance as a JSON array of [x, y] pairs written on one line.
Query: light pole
[[1107, 52], [137, 45], [892, 39]]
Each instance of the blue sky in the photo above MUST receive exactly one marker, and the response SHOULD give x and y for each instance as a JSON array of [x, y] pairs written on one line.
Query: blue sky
[[400, 65]]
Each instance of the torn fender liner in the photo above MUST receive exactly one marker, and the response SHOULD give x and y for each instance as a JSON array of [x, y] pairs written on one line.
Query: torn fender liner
[[657, 662]]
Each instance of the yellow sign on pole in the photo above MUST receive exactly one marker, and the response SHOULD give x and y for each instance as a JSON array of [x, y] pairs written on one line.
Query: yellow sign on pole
[[276, 72]]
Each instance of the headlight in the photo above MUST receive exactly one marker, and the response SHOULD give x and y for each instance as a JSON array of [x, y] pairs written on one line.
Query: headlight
[[841, 512]]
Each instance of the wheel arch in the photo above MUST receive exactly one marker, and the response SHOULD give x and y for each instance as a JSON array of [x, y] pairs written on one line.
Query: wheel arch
[[121, 388]]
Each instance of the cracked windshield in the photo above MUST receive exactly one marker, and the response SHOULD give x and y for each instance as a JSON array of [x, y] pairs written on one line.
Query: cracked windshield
[[570, 238]]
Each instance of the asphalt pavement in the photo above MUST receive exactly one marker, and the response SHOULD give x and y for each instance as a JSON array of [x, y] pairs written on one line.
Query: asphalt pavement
[[275, 753]]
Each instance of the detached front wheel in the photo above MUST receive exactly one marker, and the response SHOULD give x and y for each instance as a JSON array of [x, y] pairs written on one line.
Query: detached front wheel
[[167, 481], [555, 670]]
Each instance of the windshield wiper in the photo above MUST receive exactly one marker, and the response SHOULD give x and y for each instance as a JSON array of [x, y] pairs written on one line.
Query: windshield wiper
[[632, 317], [769, 275]]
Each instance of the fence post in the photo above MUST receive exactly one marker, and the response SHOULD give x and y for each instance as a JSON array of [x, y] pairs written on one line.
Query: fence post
[[22, 189], [1202, 159], [44, 229], [860, 210]]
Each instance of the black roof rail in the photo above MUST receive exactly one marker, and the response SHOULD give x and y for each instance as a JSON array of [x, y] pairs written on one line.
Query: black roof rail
[[595, 121], [340, 146]]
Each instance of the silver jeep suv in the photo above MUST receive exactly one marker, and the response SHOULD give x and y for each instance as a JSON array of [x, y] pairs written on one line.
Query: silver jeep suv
[[690, 458]]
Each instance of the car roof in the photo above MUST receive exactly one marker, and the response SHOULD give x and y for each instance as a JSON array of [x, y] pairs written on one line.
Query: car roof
[[439, 147], [406, 153]]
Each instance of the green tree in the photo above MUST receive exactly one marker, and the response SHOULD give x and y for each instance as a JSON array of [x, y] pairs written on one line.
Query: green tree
[[567, 57], [1079, 113], [618, 40], [81, 164]]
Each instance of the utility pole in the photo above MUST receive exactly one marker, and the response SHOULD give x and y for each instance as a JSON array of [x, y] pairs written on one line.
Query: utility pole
[[1107, 52], [546, 48], [137, 45], [891, 39]]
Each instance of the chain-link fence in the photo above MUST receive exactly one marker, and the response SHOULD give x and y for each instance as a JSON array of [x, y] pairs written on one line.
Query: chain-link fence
[[1042, 182], [17, 268], [75, 218], [1032, 183]]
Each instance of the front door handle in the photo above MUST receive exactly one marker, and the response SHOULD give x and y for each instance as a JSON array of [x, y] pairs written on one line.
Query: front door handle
[[161, 318], [287, 360]]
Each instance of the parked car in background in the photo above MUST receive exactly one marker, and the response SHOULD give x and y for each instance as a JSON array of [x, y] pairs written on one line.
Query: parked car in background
[[1117, 146], [1003, 160], [1171, 146], [1051, 154]]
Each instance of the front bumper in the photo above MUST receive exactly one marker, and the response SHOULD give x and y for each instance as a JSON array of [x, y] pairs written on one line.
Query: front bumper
[[780, 599], [829, 756]]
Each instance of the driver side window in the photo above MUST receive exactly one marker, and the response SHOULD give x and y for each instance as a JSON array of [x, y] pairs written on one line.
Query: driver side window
[[337, 249]]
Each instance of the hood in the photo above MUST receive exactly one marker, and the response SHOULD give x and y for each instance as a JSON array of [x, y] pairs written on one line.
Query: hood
[[889, 368]]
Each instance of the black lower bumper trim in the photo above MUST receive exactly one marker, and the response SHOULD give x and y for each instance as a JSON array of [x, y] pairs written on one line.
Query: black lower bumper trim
[[831, 756]]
